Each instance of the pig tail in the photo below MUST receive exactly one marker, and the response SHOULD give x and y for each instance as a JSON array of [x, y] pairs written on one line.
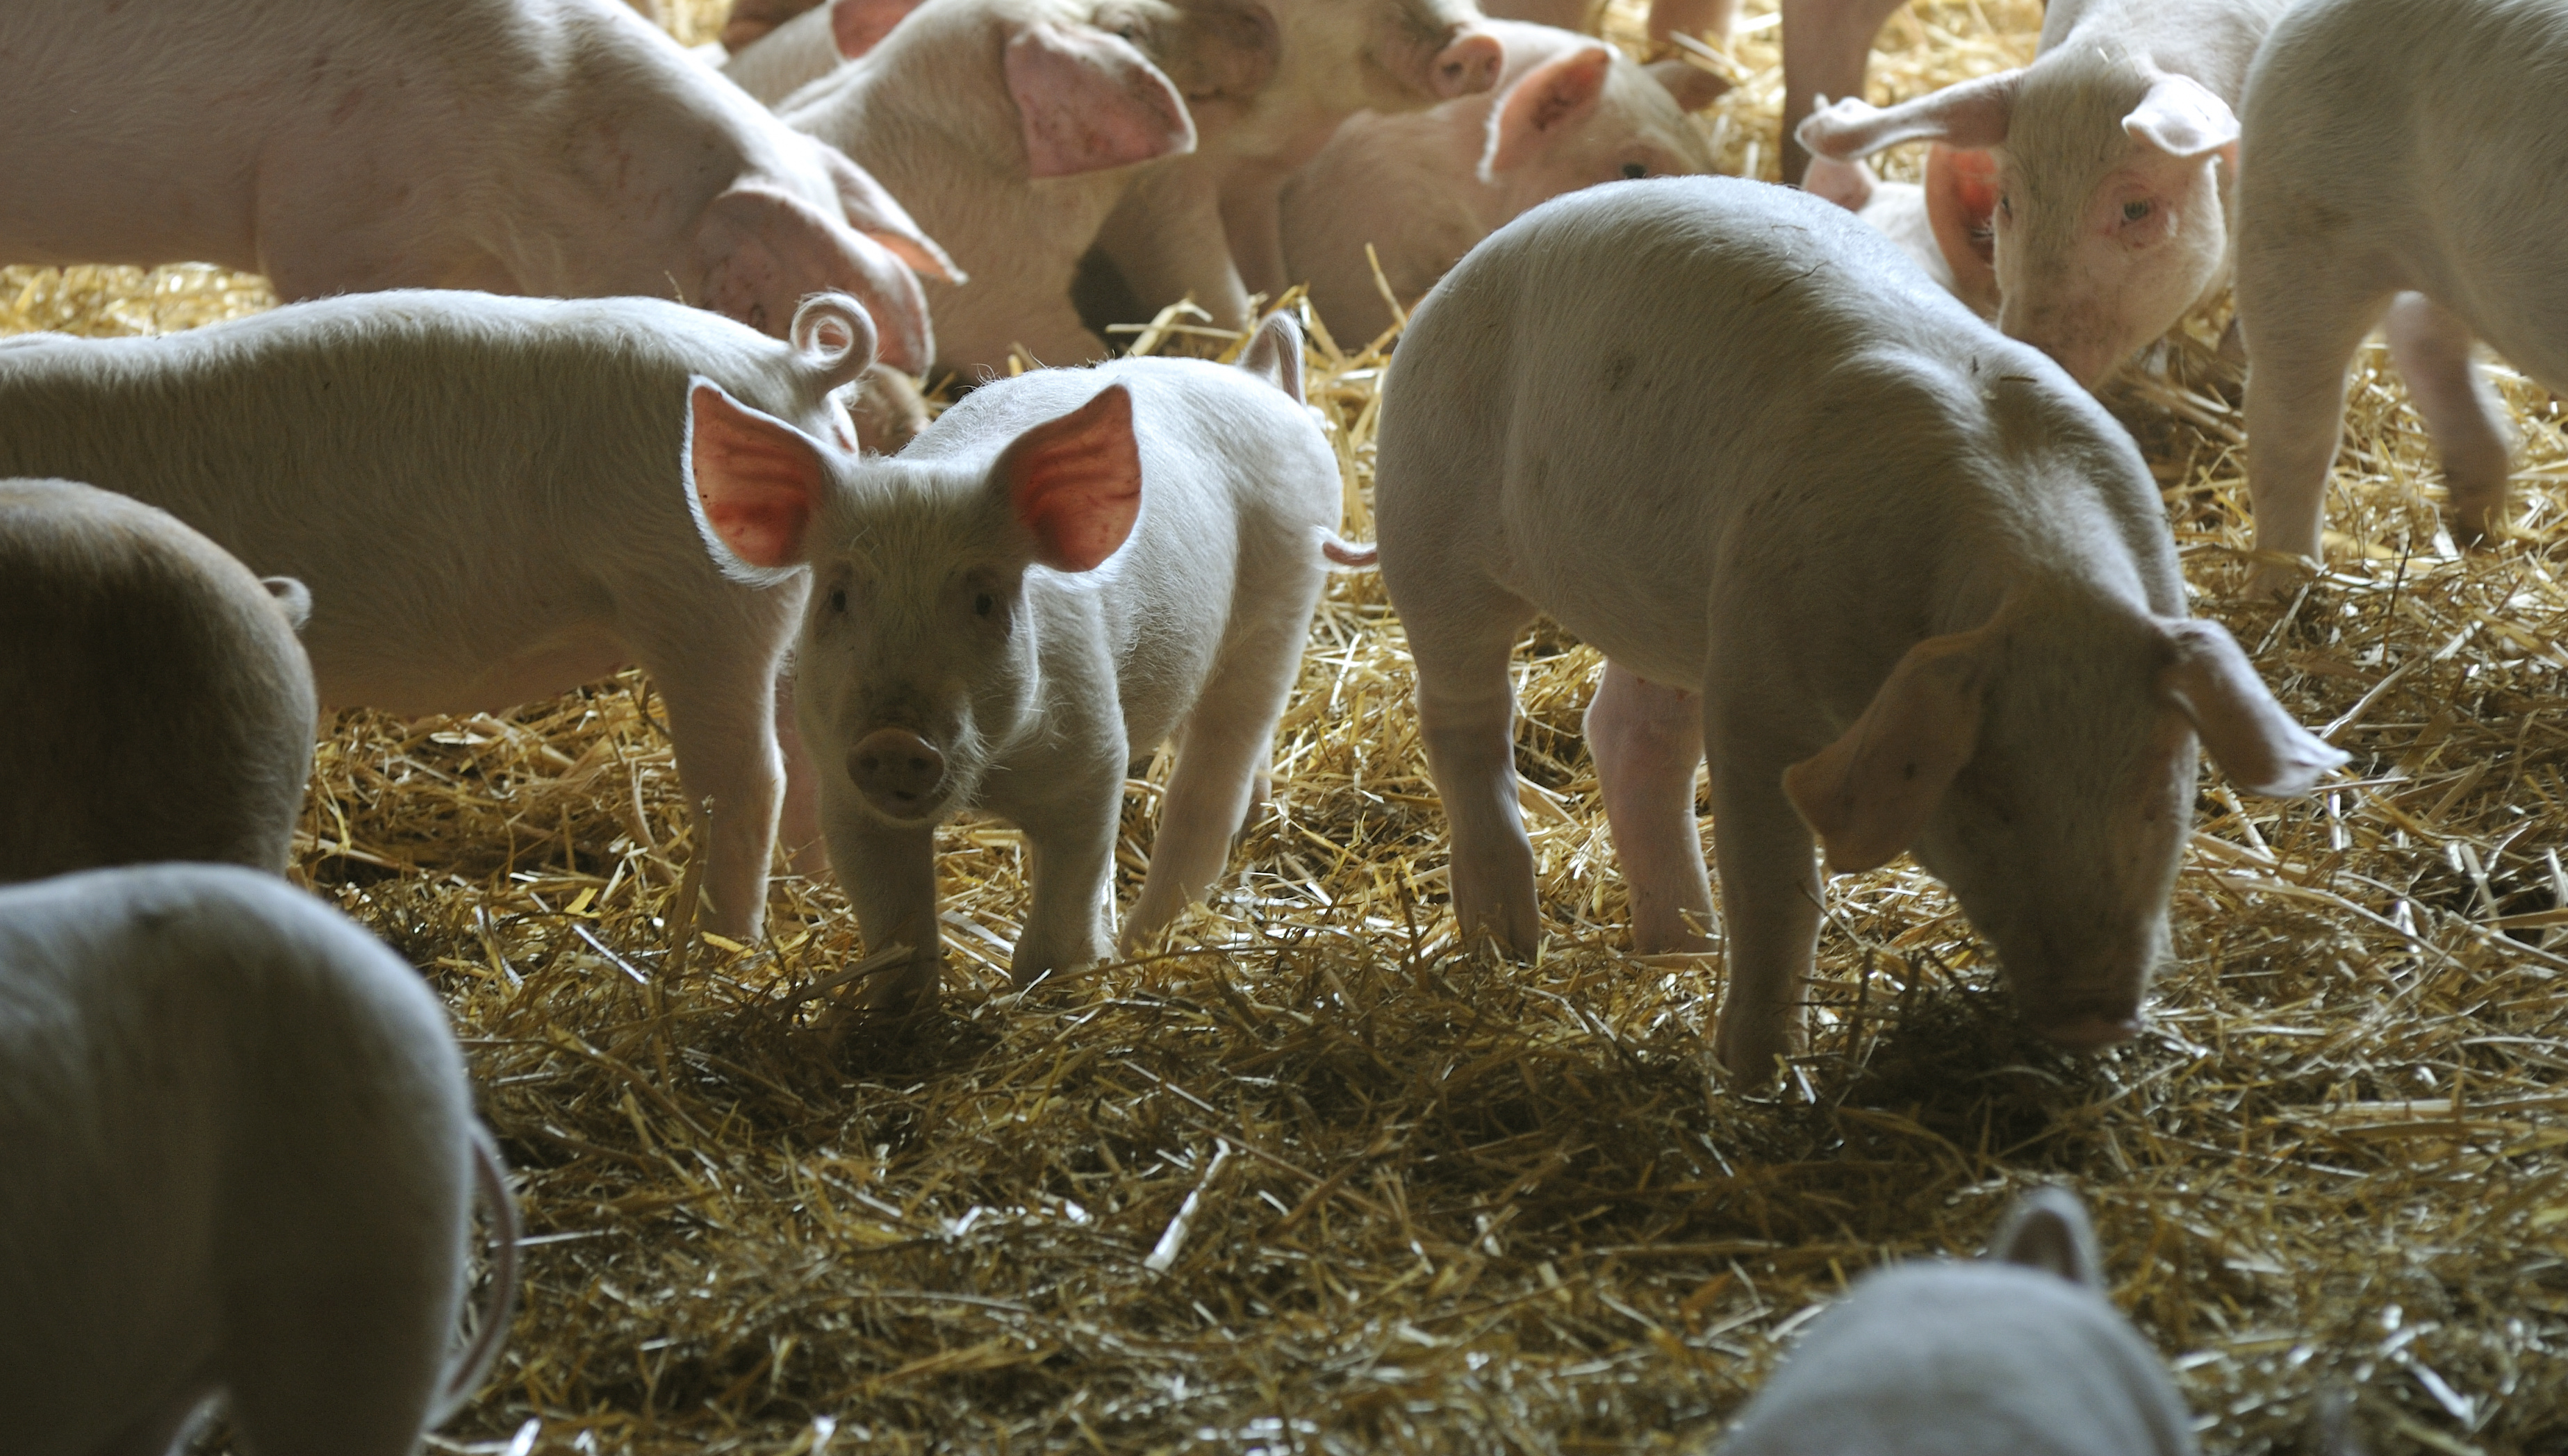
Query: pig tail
[[836, 335]]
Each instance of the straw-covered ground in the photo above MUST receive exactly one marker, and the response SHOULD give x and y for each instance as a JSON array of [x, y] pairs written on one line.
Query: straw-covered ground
[[1314, 1180]]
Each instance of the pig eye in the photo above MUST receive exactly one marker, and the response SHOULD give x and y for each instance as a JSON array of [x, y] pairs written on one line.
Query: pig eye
[[2006, 207], [983, 605], [838, 600], [1634, 172], [2135, 210]]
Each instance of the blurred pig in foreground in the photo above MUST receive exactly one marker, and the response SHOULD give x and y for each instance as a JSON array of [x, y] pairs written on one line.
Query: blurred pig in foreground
[[1909, 585], [159, 706]]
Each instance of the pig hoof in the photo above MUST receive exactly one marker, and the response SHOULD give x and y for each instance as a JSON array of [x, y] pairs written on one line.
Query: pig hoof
[[2277, 580], [2477, 523]]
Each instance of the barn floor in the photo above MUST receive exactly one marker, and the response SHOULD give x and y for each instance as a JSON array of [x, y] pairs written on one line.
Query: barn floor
[[1315, 1181]]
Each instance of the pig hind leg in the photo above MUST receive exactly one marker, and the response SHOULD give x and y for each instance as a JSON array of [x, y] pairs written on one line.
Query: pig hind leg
[[2305, 319], [1466, 720], [889, 873], [1220, 769], [1647, 740], [2432, 348], [722, 722]]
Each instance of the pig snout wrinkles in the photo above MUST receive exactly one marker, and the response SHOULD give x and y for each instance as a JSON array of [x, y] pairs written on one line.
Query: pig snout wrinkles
[[1466, 67], [897, 770]]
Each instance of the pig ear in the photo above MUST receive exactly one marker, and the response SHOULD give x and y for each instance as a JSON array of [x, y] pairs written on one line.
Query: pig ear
[[1970, 113], [1544, 102], [1275, 354], [857, 26], [2182, 118], [2242, 728], [1089, 102], [292, 598], [2047, 1230], [1693, 87], [1867, 794], [1961, 196], [1849, 184], [1075, 483], [754, 483], [871, 212], [760, 251]]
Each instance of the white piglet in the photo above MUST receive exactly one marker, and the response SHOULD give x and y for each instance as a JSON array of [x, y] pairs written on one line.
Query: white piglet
[[485, 495], [2116, 152], [1422, 187], [563, 148], [1068, 569], [2018, 1353], [161, 707], [1910, 586], [242, 1159], [2413, 149]]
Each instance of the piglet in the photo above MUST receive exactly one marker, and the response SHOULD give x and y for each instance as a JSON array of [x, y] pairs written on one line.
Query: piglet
[[542, 146], [2398, 147], [1014, 128], [1068, 569], [2115, 151], [2019, 1353], [1940, 223], [242, 1158], [1424, 186], [483, 494], [1909, 585], [159, 706]]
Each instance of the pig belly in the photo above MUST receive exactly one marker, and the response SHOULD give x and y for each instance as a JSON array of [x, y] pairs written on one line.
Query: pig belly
[[1610, 578], [349, 676]]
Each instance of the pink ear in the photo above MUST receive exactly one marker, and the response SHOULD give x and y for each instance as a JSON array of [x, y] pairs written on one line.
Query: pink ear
[[1076, 482], [2242, 728], [757, 480], [1961, 198], [859, 25], [1969, 114], [1541, 104], [1089, 100], [1849, 184], [2183, 117], [762, 251], [1867, 794], [871, 210]]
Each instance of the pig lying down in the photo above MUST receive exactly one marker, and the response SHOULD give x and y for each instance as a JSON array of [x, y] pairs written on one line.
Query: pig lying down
[[1918, 578], [2117, 151], [2400, 147], [485, 495], [1068, 569], [242, 1162], [1424, 186], [159, 706], [542, 146], [2017, 1354]]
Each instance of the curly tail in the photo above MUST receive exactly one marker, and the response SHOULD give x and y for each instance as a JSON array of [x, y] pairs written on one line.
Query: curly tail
[[1342, 552], [835, 337], [490, 1180]]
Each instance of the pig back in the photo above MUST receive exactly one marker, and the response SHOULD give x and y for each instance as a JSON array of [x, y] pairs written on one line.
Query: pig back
[[161, 705]]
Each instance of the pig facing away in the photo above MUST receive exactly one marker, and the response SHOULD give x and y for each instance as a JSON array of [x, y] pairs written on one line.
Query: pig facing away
[[540, 147], [242, 1158], [1014, 128], [1068, 569], [485, 495], [2017, 1354], [159, 706], [2116, 149], [2398, 146], [1919, 580], [1567, 113], [1209, 226]]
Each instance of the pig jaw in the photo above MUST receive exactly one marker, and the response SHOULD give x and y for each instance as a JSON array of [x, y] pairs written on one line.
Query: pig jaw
[[2062, 839]]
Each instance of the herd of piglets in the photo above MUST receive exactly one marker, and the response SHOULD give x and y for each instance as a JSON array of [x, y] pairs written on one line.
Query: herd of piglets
[[595, 355]]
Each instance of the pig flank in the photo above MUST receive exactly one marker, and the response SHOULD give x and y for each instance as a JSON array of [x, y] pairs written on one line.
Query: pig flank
[[160, 708], [242, 1156], [1958, 627], [542, 146], [1424, 186], [483, 494]]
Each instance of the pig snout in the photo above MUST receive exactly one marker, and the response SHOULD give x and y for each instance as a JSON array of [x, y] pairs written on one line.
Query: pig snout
[[1467, 66], [898, 772], [2091, 1030]]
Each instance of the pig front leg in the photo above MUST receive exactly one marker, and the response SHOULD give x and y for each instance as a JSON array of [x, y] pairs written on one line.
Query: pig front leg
[[1467, 719], [1070, 845], [889, 873], [2305, 318], [1647, 740], [1169, 243], [722, 723], [1770, 889], [797, 826], [2432, 348], [1252, 219]]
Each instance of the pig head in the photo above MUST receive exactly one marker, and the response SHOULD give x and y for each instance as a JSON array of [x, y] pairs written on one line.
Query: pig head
[[2043, 767]]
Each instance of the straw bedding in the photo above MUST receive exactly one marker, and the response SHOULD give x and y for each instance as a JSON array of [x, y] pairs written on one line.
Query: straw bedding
[[1314, 1180]]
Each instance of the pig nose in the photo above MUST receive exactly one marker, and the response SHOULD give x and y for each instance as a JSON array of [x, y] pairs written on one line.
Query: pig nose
[[2089, 1030], [1468, 67], [897, 769]]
